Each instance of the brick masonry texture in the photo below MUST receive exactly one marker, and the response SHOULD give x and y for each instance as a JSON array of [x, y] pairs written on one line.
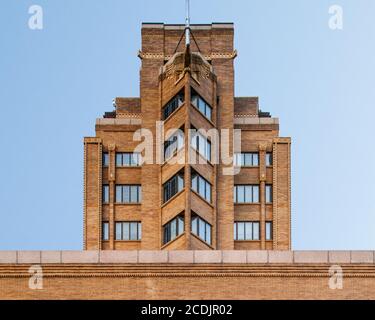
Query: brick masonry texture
[[163, 75], [238, 274]]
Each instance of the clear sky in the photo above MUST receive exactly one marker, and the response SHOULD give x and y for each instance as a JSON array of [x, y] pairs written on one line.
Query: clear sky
[[55, 82]]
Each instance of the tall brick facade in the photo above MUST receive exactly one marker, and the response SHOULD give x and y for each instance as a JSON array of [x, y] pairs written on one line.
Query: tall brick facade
[[203, 69], [142, 234]]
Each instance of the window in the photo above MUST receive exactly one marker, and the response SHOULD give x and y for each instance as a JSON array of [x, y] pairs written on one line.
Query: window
[[268, 193], [130, 231], [173, 186], [269, 230], [105, 159], [246, 159], [201, 186], [201, 144], [201, 105], [105, 231], [128, 193], [269, 159], [173, 144], [105, 193], [246, 194], [128, 159], [246, 231], [173, 104], [173, 229], [201, 228]]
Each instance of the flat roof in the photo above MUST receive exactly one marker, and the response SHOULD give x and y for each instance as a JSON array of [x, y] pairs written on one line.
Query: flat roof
[[178, 26]]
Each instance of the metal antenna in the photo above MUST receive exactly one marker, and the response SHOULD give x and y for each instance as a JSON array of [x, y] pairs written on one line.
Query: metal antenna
[[187, 23]]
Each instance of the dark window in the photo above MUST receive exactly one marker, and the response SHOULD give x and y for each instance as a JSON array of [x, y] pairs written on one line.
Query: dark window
[[268, 193], [105, 231], [173, 186], [246, 231], [173, 144], [201, 105], [128, 193], [128, 231], [173, 105], [105, 193], [246, 159], [269, 230], [105, 159], [246, 194], [201, 228], [268, 159], [173, 229], [128, 159], [201, 144], [201, 186]]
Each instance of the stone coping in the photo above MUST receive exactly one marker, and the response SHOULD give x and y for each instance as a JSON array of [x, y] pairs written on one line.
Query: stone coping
[[192, 257], [118, 121], [248, 119]]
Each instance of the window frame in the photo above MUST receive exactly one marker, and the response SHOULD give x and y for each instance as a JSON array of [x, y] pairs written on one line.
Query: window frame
[[174, 146], [269, 159], [173, 186], [105, 159], [134, 159], [241, 157], [167, 229], [197, 180], [105, 231], [105, 193], [205, 106], [254, 230], [180, 98], [269, 230], [199, 222], [268, 194], [126, 192], [128, 224], [246, 187], [202, 145]]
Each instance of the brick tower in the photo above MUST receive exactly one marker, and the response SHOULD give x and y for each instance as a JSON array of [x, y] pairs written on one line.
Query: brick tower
[[179, 205]]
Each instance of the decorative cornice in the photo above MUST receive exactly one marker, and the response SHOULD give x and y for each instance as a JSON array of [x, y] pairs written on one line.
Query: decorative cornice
[[245, 115], [229, 55], [180, 270], [128, 115], [217, 55]]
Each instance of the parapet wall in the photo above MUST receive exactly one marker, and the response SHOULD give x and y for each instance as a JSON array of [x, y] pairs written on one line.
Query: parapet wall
[[189, 256], [187, 274]]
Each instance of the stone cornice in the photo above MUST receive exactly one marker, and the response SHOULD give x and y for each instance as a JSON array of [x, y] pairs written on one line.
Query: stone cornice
[[240, 258]]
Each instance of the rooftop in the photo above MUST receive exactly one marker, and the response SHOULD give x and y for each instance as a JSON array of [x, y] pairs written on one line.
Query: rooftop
[[202, 26]]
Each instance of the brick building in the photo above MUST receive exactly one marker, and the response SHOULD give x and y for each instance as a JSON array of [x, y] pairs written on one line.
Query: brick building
[[232, 231], [176, 205]]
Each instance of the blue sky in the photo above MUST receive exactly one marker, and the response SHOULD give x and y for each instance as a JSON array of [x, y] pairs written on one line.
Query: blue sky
[[55, 82]]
